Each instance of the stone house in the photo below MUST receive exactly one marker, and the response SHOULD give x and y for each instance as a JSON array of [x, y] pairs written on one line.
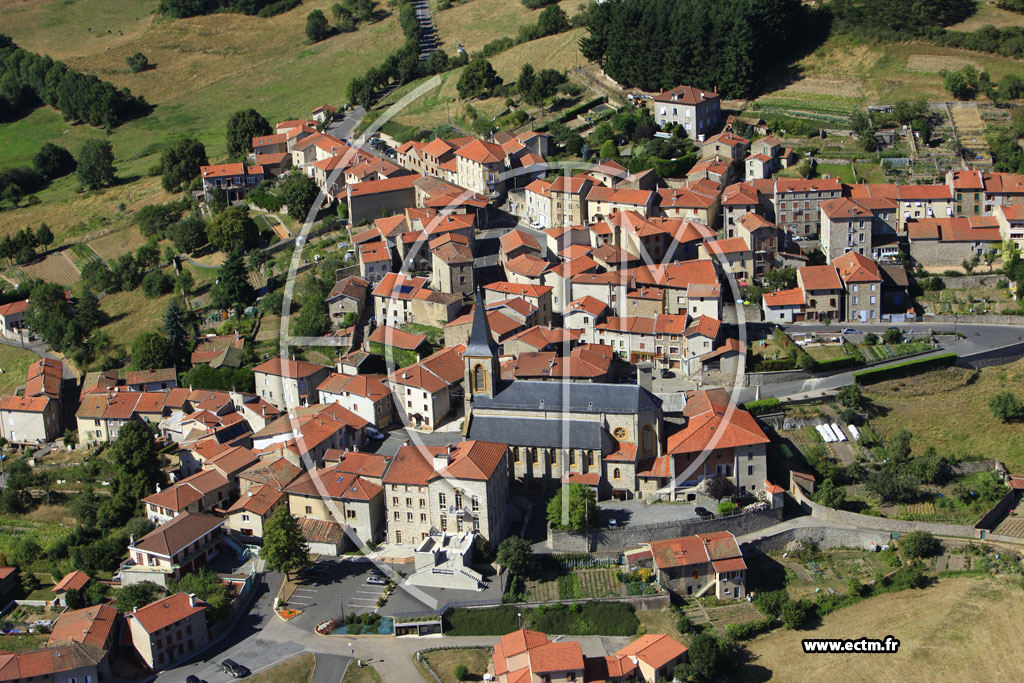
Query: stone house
[[399, 299], [169, 630], [862, 281], [947, 242], [348, 295], [288, 384], [701, 564], [845, 227], [183, 545], [330, 495], [797, 204], [698, 111], [823, 292]]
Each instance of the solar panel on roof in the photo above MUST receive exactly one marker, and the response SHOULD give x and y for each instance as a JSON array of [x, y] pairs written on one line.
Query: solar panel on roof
[[405, 289]]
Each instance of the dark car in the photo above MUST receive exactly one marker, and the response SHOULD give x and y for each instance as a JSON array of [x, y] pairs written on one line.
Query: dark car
[[236, 670], [667, 374], [194, 679], [703, 513]]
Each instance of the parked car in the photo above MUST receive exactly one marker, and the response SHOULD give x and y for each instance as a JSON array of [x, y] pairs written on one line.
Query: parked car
[[230, 666], [703, 513], [850, 330], [194, 679], [667, 374], [376, 580], [373, 433]]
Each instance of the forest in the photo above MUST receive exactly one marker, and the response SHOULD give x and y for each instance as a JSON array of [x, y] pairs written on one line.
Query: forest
[[28, 80], [654, 44]]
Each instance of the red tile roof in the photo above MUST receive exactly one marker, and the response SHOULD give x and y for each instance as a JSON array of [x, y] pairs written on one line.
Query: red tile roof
[[518, 289], [693, 550], [74, 580], [392, 336], [289, 368], [686, 94], [709, 428], [786, 297], [482, 152], [170, 610], [402, 182], [815, 278], [655, 650], [92, 626]]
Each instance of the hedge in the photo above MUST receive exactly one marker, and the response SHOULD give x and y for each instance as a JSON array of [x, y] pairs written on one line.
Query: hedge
[[836, 364], [587, 619], [573, 112], [904, 369], [764, 405]]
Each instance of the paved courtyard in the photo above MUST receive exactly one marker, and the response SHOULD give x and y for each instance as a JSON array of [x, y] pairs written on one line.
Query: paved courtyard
[[626, 513]]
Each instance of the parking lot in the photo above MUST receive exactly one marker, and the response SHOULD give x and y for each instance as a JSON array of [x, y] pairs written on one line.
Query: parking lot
[[626, 513], [334, 586]]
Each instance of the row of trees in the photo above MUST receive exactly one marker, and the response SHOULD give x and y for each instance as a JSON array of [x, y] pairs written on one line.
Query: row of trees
[[967, 83], [21, 247], [898, 19], [28, 79], [179, 9], [655, 44]]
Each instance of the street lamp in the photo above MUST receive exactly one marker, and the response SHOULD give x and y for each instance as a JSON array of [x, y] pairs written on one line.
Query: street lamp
[[520, 615], [352, 650]]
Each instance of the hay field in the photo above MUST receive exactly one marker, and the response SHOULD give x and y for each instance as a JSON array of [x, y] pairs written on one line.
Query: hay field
[[960, 629]]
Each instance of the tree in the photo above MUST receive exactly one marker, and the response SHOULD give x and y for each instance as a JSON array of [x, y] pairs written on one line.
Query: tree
[[53, 161], [83, 507], [150, 351], [233, 228], [157, 283], [782, 278], [794, 613], [609, 150], [1011, 87], [137, 472], [963, 83], [478, 78], [88, 314], [582, 508], [829, 495], [706, 656], [175, 329], [189, 234], [545, 85], [770, 602], [284, 547], [180, 163], [514, 554], [461, 672], [208, 587], [552, 20], [850, 396], [525, 80], [44, 236], [137, 62], [870, 339], [893, 335], [1006, 406], [317, 27], [299, 192], [917, 544], [233, 289], [243, 126], [135, 595], [96, 164], [185, 283], [718, 487], [50, 317]]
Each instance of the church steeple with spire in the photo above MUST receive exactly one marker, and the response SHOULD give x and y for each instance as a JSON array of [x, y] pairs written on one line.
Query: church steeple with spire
[[481, 356]]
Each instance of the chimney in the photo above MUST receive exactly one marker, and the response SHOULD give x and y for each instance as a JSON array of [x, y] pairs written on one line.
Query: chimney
[[442, 459], [191, 600]]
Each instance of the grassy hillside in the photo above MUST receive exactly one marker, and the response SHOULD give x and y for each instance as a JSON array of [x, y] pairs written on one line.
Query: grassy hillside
[[946, 632], [958, 423], [478, 22], [206, 68]]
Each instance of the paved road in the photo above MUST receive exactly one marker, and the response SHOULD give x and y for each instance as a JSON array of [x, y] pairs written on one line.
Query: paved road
[[342, 128], [977, 338], [329, 668]]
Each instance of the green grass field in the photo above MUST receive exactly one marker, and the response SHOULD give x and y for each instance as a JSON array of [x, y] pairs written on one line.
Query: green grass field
[[206, 68], [14, 362], [443, 662], [948, 409]]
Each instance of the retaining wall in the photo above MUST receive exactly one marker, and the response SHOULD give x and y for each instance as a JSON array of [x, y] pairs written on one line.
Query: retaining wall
[[640, 602], [1000, 356], [983, 318], [854, 519], [968, 281], [629, 537], [991, 519], [824, 537]]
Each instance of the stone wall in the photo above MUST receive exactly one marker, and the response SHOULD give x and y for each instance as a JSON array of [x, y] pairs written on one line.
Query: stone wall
[[982, 319], [1000, 356], [824, 537], [990, 520], [618, 540], [755, 379], [968, 281], [853, 519]]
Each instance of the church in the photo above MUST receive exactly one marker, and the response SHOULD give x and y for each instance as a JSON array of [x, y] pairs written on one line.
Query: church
[[606, 436]]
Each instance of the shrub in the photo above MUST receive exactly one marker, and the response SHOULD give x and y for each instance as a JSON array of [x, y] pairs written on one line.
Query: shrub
[[748, 630], [1006, 406], [727, 506], [157, 283], [794, 613], [770, 603], [461, 672], [918, 544], [764, 405], [137, 62]]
